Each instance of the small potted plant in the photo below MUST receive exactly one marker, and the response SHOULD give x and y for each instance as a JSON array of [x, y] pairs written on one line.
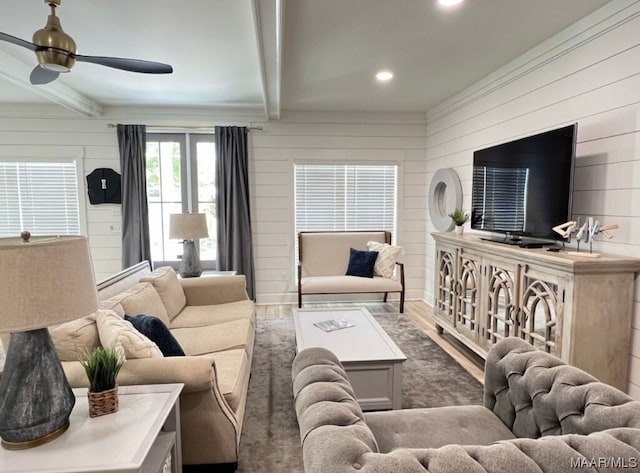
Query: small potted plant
[[459, 218], [102, 366]]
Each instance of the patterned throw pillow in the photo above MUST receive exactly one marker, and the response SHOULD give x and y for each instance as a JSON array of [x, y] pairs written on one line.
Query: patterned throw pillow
[[387, 257], [114, 330]]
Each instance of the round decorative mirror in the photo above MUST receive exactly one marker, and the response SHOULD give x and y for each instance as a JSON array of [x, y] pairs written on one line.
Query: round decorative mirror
[[445, 195]]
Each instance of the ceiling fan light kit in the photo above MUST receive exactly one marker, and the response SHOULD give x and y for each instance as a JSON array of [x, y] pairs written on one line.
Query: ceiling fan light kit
[[56, 53], [56, 49]]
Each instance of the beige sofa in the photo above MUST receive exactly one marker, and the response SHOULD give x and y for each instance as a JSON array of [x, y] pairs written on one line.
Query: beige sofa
[[214, 322], [539, 416], [323, 258]]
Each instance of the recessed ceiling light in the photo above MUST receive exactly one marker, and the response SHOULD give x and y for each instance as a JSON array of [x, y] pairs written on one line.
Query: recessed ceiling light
[[384, 76], [449, 3]]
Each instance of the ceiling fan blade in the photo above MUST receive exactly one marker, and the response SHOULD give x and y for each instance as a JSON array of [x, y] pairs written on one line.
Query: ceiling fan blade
[[40, 76], [17, 41], [133, 65]]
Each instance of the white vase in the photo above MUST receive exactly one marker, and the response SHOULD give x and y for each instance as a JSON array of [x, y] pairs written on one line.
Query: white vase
[[459, 229]]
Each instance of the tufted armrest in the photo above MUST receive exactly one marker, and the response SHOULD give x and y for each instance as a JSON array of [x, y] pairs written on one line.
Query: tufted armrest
[[536, 394], [327, 410]]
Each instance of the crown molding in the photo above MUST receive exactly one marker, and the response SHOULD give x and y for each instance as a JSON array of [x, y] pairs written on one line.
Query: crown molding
[[598, 23]]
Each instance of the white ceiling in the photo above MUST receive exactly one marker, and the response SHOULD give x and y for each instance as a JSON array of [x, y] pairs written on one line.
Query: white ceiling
[[272, 55]]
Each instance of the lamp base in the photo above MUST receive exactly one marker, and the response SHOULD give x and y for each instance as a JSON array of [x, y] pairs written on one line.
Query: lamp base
[[35, 442], [190, 264], [35, 397]]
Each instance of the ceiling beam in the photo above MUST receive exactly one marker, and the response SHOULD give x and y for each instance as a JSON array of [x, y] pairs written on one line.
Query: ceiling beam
[[257, 26], [17, 72], [268, 24]]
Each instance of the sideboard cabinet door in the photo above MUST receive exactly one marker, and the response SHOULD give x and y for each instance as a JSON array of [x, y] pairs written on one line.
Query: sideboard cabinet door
[[541, 303], [499, 307], [467, 295], [445, 287]]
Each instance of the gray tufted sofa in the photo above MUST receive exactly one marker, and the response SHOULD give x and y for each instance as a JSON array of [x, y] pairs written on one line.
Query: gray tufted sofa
[[539, 415]]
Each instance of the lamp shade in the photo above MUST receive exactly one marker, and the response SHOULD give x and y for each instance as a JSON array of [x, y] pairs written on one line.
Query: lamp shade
[[188, 226], [45, 281]]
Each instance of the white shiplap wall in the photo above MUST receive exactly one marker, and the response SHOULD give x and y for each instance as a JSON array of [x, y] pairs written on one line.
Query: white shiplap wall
[[589, 74], [49, 131]]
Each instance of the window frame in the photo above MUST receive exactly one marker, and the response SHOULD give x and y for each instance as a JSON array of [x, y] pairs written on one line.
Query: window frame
[[188, 181]]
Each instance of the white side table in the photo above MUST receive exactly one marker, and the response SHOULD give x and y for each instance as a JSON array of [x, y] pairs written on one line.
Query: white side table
[[143, 436]]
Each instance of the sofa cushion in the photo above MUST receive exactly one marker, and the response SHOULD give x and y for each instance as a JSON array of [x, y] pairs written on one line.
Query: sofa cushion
[[232, 372], [361, 263], [114, 330], [387, 257], [157, 332], [113, 304], [142, 298], [348, 284], [436, 427], [166, 283], [202, 315], [213, 338], [72, 339]]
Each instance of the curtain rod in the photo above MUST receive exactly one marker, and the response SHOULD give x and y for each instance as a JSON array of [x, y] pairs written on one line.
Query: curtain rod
[[189, 127]]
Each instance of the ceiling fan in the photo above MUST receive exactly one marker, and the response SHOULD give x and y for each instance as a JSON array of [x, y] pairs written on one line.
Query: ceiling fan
[[56, 53]]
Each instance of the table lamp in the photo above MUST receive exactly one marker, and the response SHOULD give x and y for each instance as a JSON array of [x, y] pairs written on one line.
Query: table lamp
[[45, 281], [189, 227]]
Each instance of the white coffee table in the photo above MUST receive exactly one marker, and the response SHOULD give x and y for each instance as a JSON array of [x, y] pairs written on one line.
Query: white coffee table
[[371, 359]]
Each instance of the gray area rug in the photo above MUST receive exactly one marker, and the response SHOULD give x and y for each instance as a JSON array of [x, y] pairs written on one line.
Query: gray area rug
[[270, 440]]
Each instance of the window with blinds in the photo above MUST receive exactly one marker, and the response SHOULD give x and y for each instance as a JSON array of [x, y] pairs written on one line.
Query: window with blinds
[[41, 197], [334, 197], [500, 198]]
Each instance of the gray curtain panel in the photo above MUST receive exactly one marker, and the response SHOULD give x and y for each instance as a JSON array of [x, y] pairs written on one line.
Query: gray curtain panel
[[132, 142], [235, 247]]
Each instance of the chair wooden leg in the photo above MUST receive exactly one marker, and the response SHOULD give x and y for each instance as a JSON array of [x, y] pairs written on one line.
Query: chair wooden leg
[[385, 297], [402, 302]]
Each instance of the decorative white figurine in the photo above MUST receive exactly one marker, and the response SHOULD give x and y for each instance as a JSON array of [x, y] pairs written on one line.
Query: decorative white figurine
[[566, 229], [586, 233]]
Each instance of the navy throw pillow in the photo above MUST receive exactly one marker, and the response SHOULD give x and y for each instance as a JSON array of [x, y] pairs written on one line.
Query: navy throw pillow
[[155, 330], [361, 263]]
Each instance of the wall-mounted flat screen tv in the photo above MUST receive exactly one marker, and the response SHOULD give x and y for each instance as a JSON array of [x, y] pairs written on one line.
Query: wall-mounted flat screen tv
[[523, 188]]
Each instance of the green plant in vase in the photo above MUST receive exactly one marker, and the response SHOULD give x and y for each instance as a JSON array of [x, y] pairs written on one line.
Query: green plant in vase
[[102, 366], [459, 217]]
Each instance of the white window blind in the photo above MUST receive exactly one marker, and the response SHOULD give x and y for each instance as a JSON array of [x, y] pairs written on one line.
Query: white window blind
[[345, 197], [41, 197], [500, 197]]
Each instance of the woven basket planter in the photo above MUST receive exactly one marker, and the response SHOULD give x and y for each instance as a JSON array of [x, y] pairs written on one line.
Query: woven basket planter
[[104, 402]]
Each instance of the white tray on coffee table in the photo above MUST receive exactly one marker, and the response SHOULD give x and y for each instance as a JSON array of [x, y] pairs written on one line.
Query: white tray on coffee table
[[371, 359]]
